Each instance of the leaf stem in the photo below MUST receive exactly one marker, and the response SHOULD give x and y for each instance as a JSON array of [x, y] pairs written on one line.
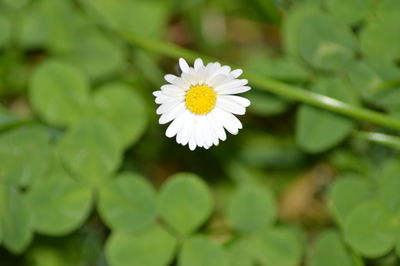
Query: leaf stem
[[272, 85], [383, 139]]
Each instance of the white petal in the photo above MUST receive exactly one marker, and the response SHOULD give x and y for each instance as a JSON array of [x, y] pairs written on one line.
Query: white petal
[[172, 90], [218, 80], [201, 75], [229, 85], [166, 107], [230, 106], [182, 137], [198, 63], [199, 131], [228, 120], [217, 125], [183, 65], [236, 90], [192, 143], [188, 80], [212, 69], [225, 70], [169, 116], [162, 98], [206, 130], [176, 125], [236, 73], [240, 100], [216, 141], [211, 137], [177, 81], [185, 132], [170, 78], [197, 77]]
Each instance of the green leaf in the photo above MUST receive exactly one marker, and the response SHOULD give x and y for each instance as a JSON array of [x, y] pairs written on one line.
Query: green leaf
[[154, 247], [318, 130], [48, 256], [290, 24], [53, 25], [124, 109], [279, 246], [282, 68], [329, 250], [259, 10], [32, 28], [261, 149], [131, 16], [345, 160], [59, 93], [59, 205], [317, 3], [185, 202], [16, 3], [15, 219], [85, 247], [96, 55], [148, 66], [269, 10], [60, 21], [388, 187], [7, 120], [241, 253], [24, 155], [319, 39], [346, 194], [388, 10], [127, 203], [264, 103], [199, 251], [251, 209], [4, 31], [394, 111], [91, 150], [369, 230], [377, 82], [352, 11], [397, 247], [15, 74], [380, 40]]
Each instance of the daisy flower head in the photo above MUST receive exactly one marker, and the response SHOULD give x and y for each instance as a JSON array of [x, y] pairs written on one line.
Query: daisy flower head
[[201, 103]]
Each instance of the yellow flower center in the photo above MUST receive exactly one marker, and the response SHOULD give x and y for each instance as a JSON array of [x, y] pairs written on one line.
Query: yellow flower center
[[200, 99]]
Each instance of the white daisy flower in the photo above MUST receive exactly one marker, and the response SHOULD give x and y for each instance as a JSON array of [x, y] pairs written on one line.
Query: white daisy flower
[[201, 103]]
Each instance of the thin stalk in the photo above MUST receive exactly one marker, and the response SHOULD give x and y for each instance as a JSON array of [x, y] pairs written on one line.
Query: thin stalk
[[323, 101], [272, 85], [383, 139], [385, 85]]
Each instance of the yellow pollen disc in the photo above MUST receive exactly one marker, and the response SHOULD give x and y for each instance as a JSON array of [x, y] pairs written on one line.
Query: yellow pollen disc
[[200, 99]]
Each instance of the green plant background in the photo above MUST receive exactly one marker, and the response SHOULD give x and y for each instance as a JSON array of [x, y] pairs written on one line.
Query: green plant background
[[87, 176]]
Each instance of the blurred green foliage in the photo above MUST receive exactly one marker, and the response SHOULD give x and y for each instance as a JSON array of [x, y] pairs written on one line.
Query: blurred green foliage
[[87, 176]]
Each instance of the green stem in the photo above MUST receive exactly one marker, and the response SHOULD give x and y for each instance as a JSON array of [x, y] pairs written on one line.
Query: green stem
[[272, 85], [385, 85], [323, 101], [383, 139]]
